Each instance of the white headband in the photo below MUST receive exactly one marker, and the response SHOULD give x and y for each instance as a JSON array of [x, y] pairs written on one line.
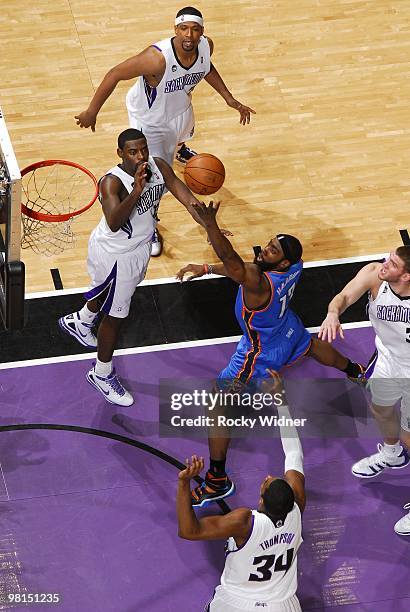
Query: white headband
[[183, 18]]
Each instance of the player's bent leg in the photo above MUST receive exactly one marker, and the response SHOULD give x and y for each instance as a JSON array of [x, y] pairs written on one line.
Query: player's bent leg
[[102, 375], [391, 454], [388, 422], [385, 392], [217, 485], [327, 355], [74, 325], [184, 129]]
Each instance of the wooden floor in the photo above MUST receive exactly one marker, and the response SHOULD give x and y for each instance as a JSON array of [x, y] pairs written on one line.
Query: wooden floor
[[327, 157]]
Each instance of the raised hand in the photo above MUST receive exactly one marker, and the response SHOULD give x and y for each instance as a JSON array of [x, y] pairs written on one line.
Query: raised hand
[[140, 176], [207, 213], [193, 468]]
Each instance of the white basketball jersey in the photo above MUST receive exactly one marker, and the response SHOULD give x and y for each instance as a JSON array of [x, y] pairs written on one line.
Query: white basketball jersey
[[140, 226], [172, 96], [265, 567], [389, 315]]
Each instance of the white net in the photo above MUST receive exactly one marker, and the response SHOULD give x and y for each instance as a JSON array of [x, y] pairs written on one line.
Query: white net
[[57, 189]]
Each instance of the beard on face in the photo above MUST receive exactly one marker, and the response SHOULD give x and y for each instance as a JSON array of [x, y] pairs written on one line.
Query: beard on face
[[263, 266]]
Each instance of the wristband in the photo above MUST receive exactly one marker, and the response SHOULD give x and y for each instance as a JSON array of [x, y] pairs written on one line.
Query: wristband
[[208, 268]]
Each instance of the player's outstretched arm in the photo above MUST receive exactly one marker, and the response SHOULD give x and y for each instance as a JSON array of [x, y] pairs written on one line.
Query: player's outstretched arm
[[292, 447], [365, 280], [236, 524], [215, 80], [179, 190], [150, 61], [198, 270], [233, 264]]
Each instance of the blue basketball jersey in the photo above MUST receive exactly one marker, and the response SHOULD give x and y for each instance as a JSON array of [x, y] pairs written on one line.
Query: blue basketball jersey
[[265, 324], [273, 336]]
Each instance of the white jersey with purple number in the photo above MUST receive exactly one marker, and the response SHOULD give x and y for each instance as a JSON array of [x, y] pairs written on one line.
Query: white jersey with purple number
[[389, 315], [172, 96], [140, 226], [264, 569]]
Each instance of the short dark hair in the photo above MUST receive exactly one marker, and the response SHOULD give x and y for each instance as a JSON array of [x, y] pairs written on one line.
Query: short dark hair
[[189, 10], [129, 134], [291, 247], [404, 253], [278, 499]]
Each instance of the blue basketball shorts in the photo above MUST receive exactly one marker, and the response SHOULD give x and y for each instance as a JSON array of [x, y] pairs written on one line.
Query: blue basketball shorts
[[251, 362]]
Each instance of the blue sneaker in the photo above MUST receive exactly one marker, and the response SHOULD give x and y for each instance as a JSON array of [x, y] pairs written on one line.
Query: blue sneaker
[[212, 489], [372, 466]]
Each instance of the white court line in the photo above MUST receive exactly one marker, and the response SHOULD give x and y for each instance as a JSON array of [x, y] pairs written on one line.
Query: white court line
[[152, 349], [172, 279], [5, 485]]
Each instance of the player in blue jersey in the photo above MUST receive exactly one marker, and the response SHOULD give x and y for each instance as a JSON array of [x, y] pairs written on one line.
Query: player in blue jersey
[[273, 335]]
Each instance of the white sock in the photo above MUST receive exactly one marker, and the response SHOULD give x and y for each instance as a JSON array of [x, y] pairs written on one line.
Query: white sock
[[86, 315], [392, 450], [103, 368]]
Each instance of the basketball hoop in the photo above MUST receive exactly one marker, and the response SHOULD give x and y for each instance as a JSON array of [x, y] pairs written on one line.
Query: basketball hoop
[[53, 194]]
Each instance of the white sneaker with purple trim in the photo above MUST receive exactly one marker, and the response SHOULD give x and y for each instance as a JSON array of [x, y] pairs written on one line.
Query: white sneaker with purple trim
[[71, 324], [402, 527], [372, 466], [111, 388]]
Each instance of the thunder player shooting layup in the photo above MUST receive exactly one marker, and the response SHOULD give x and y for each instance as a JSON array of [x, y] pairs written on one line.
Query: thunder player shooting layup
[[388, 285], [261, 555], [159, 103], [119, 251], [273, 335]]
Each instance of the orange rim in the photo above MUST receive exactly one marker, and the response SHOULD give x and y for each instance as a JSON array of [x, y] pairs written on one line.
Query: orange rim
[[67, 216]]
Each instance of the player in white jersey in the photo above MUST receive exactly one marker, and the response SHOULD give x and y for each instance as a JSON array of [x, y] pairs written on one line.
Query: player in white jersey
[[261, 554], [159, 104], [388, 284], [119, 252]]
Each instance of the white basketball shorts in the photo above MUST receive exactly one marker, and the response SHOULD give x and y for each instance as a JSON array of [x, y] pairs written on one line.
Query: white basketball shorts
[[163, 138], [224, 602], [115, 276], [389, 383]]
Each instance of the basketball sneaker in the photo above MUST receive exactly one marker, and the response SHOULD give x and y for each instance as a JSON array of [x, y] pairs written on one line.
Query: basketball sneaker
[[156, 244], [81, 331], [212, 489], [372, 466], [402, 527], [111, 388], [184, 154]]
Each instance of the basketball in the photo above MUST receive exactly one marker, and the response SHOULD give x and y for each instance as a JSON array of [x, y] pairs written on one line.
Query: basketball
[[204, 174]]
